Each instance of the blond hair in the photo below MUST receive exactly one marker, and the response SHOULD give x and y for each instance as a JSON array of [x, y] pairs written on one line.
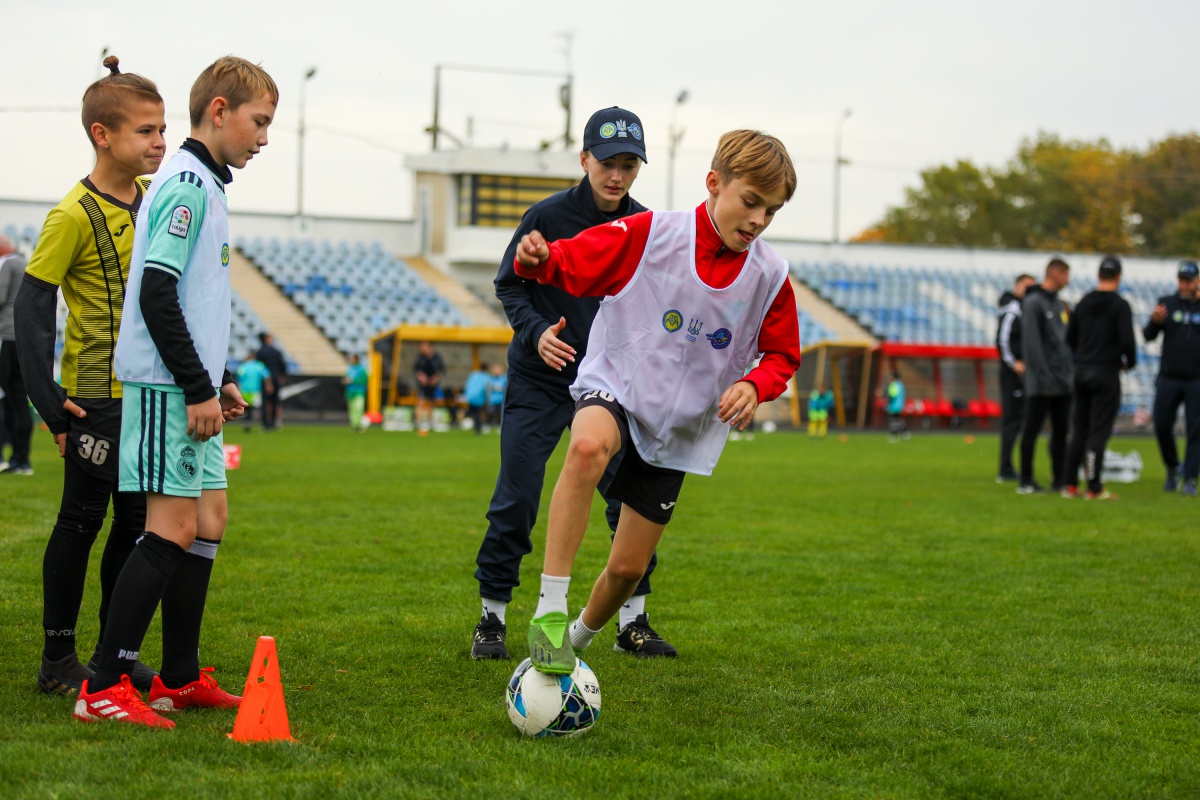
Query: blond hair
[[107, 100], [756, 158], [235, 79]]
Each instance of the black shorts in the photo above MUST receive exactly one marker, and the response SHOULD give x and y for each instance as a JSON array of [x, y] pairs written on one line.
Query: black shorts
[[649, 490], [94, 441], [427, 392]]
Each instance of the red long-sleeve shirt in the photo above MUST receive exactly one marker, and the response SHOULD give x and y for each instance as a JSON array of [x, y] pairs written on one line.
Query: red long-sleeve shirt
[[600, 261]]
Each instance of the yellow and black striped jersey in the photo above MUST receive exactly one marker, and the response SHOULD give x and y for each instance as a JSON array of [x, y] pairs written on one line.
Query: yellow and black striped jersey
[[84, 248]]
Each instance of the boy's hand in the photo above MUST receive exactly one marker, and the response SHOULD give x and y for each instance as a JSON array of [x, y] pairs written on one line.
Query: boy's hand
[[60, 439], [204, 419], [233, 405], [554, 351], [738, 404], [532, 250]]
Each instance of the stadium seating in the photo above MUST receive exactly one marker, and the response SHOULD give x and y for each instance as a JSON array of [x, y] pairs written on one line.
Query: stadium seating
[[945, 306], [350, 291]]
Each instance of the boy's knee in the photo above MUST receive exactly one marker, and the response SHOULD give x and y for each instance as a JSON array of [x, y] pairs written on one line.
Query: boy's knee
[[588, 453], [625, 571]]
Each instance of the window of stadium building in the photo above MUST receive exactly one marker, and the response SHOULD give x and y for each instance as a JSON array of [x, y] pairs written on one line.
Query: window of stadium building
[[499, 201]]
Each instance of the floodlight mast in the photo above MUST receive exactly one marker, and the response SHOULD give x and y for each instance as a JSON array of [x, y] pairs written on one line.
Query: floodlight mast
[[436, 131]]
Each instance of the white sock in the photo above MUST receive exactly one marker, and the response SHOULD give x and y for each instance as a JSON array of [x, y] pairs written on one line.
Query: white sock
[[581, 635], [496, 607], [633, 608], [553, 596]]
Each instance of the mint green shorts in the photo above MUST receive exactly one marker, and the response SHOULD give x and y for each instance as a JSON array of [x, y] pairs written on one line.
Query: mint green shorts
[[157, 455]]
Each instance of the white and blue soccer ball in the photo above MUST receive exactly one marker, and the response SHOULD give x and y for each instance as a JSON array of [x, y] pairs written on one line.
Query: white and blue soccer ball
[[553, 705]]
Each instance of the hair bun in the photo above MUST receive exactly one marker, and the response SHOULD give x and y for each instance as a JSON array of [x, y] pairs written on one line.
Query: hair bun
[[112, 62]]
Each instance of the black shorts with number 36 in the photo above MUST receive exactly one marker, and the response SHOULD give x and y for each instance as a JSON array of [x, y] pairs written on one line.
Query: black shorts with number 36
[[649, 490], [94, 440]]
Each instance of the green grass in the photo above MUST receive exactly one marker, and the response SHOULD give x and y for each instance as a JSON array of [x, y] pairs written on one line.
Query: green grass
[[855, 619]]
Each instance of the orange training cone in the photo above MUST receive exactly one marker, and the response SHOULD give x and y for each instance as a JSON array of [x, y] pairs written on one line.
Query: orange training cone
[[262, 715]]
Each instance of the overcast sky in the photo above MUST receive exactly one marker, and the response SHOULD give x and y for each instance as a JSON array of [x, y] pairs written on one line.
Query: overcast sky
[[928, 82]]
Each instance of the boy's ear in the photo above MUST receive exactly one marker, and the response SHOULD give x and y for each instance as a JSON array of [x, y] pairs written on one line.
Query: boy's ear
[[713, 182], [99, 135], [218, 110]]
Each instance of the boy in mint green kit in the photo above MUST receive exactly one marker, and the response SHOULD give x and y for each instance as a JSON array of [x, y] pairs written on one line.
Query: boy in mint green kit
[[252, 375], [177, 395]]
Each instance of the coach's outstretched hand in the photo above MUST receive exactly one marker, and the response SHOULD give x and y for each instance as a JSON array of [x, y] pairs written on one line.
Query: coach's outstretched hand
[[532, 250]]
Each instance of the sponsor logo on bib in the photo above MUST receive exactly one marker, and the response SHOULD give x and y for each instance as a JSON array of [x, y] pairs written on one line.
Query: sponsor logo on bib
[[720, 339]]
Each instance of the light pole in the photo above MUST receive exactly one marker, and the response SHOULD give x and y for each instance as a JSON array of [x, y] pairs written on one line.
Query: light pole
[[300, 166], [838, 161], [674, 137]]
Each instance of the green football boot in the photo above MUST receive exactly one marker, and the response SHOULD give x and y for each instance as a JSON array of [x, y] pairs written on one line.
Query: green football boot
[[549, 647]]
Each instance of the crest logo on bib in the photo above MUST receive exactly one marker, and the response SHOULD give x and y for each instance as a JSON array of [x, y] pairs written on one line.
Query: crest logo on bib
[[720, 339], [672, 321]]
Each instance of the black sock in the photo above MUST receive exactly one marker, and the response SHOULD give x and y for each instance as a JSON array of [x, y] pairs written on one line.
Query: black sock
[[183, 613], [120, 544], [135, 598], [64, 570]]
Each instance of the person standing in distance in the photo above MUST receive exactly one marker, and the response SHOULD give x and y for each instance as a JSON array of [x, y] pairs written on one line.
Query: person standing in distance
[[18, 422], [276, 365], [1049, 373], [1177, 318], [1012, 368], [1100, 334], [550, 335]]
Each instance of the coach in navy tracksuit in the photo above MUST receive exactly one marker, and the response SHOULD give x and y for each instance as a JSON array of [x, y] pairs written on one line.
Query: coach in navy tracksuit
[[550, 332], [1177, 317]]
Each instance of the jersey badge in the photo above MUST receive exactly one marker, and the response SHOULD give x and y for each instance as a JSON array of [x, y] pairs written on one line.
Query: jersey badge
[[694, 327], [635, 131], [1177, 316], [121, 231], [672, 321], [186, 465], [608, 130], [181, 220], [720, 339], [225, 255]]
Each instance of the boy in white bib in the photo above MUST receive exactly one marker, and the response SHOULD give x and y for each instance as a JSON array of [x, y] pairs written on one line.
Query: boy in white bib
[[691, 298]]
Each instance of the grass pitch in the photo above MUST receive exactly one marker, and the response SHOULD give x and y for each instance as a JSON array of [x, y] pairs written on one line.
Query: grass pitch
[[855, 619]]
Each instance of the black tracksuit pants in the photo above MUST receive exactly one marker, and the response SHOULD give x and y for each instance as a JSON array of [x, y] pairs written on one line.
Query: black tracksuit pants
[[18, 420], [1097, 401], [531, 424], [1037, 408], [1169, 393], [1012, 411]]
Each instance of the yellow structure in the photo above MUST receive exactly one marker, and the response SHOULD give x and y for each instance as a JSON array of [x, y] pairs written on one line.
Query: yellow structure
[[473, 336]]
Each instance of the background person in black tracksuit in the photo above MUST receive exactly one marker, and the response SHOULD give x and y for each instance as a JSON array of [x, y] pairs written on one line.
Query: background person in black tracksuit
[[550, 332], [1100, 334], [276, 364], [1049, 373], [1012, 368], [1177, 317]]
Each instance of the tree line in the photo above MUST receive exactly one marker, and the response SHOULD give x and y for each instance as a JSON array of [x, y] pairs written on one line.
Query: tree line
[[1059, 195]]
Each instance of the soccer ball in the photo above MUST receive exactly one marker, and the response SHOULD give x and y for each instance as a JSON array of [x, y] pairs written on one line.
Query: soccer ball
[[553, 705]]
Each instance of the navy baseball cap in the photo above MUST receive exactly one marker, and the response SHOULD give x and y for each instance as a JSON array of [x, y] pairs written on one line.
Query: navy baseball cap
[[1110, 267], [1188, 270], [614, 130]]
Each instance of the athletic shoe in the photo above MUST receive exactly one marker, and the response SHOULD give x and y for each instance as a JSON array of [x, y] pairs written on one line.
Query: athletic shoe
[[1030, 488], [65, 676], [120, 703], [202, 693], [1069, 492], [1171, 484], [141, 676], [1005, 477], [1189, 489], [1103, 494], [4, 465], [489, 639], [20, 469], [549, 646], [639, 639]]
